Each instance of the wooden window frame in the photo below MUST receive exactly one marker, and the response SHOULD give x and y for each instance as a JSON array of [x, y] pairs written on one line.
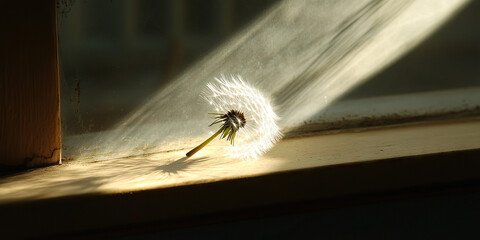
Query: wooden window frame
[[436, 154]]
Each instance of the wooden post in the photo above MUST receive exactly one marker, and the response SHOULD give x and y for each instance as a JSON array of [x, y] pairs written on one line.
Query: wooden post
[[29, 86]]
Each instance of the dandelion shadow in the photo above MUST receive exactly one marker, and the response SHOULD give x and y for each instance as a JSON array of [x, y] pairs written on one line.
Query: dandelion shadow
[[180, 165]]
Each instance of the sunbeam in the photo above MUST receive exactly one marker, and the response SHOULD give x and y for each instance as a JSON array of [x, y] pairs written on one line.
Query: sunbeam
[[303, 55]]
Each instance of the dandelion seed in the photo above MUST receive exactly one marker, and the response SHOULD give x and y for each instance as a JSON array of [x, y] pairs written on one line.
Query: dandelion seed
[[246, 112]]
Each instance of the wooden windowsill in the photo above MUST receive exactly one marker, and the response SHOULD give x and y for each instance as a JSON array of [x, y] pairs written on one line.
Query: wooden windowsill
[[85, 195]]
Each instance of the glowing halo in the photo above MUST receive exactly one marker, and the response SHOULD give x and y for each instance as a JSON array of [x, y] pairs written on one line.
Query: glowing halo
[[260, 132]]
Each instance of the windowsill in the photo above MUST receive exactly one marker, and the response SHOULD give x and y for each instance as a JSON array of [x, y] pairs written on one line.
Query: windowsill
[[79, 195]]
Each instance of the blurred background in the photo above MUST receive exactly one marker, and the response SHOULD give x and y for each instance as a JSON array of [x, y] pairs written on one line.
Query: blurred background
[[119, 56]]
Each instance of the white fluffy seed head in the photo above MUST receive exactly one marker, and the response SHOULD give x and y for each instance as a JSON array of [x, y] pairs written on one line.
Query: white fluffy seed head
[[260, 132]]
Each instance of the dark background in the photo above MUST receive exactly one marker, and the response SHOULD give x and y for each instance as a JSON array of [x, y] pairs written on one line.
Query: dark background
[[115, 54]]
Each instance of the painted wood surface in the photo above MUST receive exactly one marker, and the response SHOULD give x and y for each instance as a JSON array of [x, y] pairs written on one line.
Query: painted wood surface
[[173, 169], [87, 195]]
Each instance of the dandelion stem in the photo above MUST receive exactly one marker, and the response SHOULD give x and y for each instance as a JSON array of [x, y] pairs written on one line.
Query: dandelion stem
[[195, 150]]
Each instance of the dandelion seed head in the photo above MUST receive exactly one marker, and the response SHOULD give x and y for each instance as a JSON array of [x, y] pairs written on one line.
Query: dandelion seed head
[[260, 132]]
